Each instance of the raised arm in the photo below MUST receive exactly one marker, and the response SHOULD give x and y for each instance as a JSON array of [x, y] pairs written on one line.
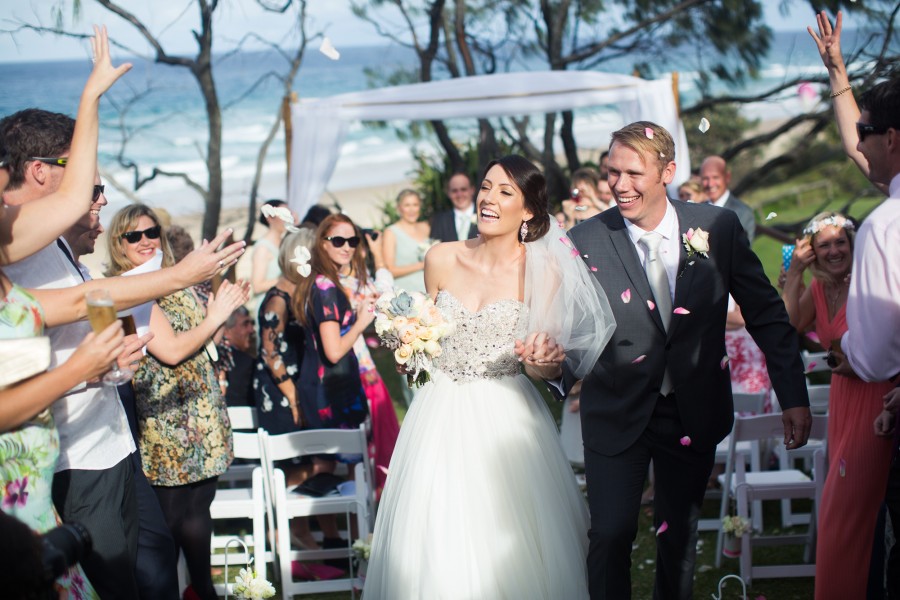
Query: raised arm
[[67, 304], [171, 347], [28, 228], [798, 300]]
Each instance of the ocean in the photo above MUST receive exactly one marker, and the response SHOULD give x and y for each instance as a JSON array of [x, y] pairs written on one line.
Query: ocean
[[164, 122]]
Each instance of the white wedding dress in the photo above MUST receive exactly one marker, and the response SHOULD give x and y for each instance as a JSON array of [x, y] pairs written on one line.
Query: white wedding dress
[[480, 502]]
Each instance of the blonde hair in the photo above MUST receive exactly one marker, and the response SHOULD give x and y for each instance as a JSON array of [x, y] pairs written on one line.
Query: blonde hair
[[639, 138], [124, 221], [815, 226], [306, 237]]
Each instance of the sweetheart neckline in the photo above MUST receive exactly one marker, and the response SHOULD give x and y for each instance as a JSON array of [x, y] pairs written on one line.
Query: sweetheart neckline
[[483, 308]]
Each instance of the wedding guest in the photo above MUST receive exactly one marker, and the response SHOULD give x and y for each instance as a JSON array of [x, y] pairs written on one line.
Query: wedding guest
[[457, 223], [746, 362], [692, 191], [184, 428], [858, 461], [405, 243], [264, 269], [234, 369], [603, 164], [385, 427], [585, 202], [715, 177], [314, 216]]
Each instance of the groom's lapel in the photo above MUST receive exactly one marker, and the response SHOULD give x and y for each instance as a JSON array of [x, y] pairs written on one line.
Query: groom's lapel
[[685, 273], [624, 247]]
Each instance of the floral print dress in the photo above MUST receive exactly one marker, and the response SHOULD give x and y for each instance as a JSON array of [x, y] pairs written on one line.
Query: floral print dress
[[332, 390], [28, 453], [281, 346], [185, 433]]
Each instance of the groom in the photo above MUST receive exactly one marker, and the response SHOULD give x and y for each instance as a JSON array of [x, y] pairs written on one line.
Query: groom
[[661, 389]]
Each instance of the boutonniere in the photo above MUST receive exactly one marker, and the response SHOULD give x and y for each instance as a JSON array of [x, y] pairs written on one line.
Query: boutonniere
[[696, 241]]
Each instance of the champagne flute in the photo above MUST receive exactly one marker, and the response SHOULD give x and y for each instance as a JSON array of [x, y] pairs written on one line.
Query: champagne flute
[[102, 313]]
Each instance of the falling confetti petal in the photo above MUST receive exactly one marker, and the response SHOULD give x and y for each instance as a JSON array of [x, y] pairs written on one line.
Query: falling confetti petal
[[704, 125], [724, 362], [585, 255], [681, 311], [566, 241], [813, 336], [771, 216], [594, 269], [691, 264], [811, 366], [372, 342], [662, 528], [686, 440], [383, 469], [626, 296], [639, 359], [648, 132], [650, 304], [808, 95], [843, 468], [328, 49]]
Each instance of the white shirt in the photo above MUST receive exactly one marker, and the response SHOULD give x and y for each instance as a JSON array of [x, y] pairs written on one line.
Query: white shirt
[[93, 428], [723, 199], [872, 341], [669, 248], [463, 221]]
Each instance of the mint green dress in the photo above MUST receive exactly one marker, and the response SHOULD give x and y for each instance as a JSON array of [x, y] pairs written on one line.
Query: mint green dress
[[28, 453]]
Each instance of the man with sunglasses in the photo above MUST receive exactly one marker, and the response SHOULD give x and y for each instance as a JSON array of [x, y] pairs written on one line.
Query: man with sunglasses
[[98, 480]]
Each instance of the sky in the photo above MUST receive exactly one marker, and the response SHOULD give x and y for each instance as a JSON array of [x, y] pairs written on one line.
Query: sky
[[172, 19]]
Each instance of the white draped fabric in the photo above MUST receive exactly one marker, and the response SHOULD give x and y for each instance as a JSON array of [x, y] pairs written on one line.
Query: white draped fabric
[[320, 124]]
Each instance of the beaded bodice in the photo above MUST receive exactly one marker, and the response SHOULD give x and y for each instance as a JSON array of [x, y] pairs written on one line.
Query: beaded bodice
[[482, 345]]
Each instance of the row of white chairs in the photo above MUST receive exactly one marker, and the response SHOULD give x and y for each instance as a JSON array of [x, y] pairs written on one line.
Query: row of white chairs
[[259, 493]]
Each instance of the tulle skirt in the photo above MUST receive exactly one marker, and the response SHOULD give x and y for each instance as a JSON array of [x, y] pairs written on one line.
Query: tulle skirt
[[480, 502]]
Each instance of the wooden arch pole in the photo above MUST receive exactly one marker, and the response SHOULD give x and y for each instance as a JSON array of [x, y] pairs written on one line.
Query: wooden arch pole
[[675, 94], [286, 103]]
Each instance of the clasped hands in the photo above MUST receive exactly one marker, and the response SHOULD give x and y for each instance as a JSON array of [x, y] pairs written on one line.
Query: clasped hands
[[541, 355]]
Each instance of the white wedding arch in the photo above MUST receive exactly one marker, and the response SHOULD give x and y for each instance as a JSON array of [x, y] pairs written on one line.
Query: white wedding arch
[[320, 124]]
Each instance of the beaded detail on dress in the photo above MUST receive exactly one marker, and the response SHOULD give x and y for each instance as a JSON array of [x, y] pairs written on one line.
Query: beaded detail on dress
[[482, 346]]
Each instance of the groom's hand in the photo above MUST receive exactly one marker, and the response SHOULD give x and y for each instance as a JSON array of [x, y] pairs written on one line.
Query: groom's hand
[[797, 423], [541, 355]]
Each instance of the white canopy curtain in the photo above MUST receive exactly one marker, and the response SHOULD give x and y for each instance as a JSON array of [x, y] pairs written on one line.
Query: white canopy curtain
[[320, 124]]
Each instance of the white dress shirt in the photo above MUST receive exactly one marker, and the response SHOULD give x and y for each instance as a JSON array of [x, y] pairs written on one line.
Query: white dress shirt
[[872, 341], [722, 199], [93, 429], [669, 248]]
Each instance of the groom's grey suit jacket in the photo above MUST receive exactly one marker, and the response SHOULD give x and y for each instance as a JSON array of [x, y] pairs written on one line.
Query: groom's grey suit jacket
[[618, 396]]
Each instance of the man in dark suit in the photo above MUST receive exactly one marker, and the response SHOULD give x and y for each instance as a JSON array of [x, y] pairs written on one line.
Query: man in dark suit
[[457, 223], [715, 177], [661, 389]]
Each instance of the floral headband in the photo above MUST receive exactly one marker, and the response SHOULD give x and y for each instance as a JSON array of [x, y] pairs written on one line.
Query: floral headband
[[833, 221]]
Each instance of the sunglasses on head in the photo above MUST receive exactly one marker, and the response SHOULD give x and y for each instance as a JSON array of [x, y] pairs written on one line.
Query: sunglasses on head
[[338, 241], [133, 237], [865, 129], [51, 160]]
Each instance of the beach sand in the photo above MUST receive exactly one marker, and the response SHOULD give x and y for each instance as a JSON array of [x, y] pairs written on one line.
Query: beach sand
[[363, 205]]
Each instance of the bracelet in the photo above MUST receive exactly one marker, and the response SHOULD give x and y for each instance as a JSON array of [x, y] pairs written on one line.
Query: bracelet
[[841, 91]]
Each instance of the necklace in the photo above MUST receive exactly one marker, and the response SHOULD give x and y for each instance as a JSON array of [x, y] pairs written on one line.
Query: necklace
[[833, 293]]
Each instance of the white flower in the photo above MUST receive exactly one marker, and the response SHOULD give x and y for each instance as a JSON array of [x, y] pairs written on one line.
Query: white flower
[[696, 241], [248, 586], [834, 221], [301, 259], [281, 212]]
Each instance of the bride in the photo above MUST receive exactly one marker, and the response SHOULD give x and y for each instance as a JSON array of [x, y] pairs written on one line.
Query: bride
[[480, 502]]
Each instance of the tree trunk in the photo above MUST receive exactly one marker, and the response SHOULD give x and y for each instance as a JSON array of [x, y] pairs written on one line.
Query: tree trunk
[[213, 197]]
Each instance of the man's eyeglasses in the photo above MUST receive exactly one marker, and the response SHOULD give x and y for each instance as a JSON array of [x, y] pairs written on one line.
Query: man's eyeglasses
[[864, 129], [50, 160], [98, 189], [133, 237], [338, 241]]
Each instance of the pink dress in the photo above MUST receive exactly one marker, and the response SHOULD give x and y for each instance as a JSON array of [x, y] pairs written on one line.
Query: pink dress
[[747, 365], [858, 464]]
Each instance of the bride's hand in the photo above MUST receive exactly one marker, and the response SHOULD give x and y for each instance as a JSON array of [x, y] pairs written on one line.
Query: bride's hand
[[541, 355]]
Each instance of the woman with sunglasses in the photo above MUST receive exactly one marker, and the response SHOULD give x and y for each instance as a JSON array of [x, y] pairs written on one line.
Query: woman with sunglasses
[[183, 422], [330, 388], [858, 461]]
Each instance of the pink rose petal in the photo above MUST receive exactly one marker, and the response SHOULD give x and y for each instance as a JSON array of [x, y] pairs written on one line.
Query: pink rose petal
[[565, 240], [648, 132], [639, 359], [626, 296], [685, 441], [650, 304], [663, 527], [689, 234], [724, 362], [594, 269], [811, 366], [383, 469], [812, 335], [681, 311]]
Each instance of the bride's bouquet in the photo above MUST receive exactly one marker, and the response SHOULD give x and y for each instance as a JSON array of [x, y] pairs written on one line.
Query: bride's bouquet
[[411, 325]]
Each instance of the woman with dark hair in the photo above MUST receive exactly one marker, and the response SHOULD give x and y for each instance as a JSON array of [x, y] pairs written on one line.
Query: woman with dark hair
[[480, 501], [185, 434], [858, 461]]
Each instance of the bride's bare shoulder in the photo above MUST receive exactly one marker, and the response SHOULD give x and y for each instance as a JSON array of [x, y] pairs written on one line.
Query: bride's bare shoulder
[[445, 253]]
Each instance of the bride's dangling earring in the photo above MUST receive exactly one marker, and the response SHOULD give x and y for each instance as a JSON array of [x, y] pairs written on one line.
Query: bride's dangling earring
[[523, 231]]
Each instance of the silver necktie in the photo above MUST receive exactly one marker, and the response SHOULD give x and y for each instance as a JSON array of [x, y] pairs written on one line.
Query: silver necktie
[[659, 284]]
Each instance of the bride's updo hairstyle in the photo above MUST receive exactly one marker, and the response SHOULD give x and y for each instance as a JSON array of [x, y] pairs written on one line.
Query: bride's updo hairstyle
[[531, 182]]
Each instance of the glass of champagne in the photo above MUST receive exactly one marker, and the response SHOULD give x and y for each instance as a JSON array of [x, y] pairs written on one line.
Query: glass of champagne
[[101, 312]]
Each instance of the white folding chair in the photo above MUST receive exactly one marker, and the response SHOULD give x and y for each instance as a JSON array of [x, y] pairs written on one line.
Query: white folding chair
[[744, 403], [814, 362], [746, 488], [247, 502], [243, 418], [818, 398], [289, 505]]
